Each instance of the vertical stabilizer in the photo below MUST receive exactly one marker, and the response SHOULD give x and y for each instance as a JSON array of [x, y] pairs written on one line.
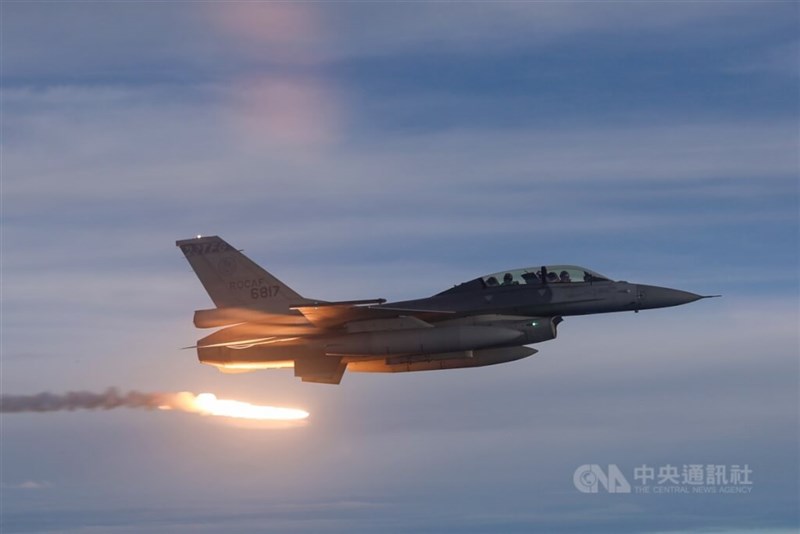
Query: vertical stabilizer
[[233, 280]]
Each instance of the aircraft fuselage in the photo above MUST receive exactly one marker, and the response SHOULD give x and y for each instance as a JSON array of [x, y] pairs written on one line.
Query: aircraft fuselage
[[488, 320]]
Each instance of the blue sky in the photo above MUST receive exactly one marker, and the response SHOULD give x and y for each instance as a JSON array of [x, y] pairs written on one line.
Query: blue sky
[[361, 150]]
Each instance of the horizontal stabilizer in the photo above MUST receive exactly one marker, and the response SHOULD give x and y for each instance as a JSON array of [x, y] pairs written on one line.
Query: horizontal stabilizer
[[230, 316], [249, 334]]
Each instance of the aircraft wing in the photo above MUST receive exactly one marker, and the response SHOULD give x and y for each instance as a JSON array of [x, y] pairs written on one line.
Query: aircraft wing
[[249, 334], [331, 315]]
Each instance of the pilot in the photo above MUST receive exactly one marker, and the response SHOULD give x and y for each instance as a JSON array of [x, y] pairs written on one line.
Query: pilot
[[552, 278], [564, 276], [508, 279], [491, 281], [531, 278]]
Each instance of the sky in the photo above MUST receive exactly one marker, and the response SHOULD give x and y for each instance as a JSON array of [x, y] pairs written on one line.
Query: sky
[[364, 150]]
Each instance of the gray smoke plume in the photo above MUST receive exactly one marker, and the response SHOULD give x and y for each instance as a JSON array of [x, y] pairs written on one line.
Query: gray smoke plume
[[86, 400]]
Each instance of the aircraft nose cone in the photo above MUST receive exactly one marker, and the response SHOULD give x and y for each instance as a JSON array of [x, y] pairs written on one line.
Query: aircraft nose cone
[[663, 297]]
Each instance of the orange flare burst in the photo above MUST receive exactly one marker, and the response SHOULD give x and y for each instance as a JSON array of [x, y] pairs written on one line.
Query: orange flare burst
[[209, 404]]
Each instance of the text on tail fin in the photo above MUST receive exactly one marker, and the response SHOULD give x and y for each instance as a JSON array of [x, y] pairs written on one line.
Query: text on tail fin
[[233, 280]]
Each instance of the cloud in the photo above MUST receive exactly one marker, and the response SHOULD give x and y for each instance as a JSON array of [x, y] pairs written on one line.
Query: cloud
[[105, 44], [158, 143], [779, 59], [30, 485]]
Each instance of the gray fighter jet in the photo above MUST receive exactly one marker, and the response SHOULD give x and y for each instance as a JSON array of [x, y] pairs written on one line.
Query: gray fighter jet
[[488, 320]]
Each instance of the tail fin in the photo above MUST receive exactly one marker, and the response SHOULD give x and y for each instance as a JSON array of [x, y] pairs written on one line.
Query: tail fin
[[233, 280]]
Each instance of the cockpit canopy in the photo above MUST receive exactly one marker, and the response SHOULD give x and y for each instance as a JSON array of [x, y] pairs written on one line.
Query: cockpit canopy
[[553, 274]]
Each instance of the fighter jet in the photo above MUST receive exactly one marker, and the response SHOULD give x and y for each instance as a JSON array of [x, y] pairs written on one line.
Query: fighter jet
[[489, 320]]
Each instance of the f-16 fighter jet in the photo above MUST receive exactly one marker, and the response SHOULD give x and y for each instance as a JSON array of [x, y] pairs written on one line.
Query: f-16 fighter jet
[[264, 324]]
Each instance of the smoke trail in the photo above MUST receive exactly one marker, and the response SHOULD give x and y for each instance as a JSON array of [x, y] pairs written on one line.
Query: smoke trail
[[203, 404], [86, 400]]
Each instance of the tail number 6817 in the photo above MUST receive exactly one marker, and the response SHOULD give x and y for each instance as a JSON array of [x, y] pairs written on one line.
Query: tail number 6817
[[264, 292]]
